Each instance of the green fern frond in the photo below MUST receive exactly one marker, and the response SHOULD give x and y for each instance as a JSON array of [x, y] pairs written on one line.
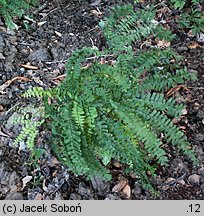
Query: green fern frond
[[30, 118], [111, 104], [162, 80], [157, 101], [9, 9]]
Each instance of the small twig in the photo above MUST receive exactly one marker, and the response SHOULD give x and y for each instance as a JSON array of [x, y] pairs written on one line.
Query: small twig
[[54, 62], [41, 8], [50, 12], [92, 29], [94, 57], [174, 182]]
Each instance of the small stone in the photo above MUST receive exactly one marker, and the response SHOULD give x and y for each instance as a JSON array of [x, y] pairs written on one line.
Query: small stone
[[58, 196], [100, 186], [2, 44], [24, 53], [85, 192], [200, 37], [95, 2], [137, 191], [74, 196], [14, 196], [13, 40], [202, 188], [39, 55], [112, 197], [200, 114], [11, 32], [182, 48], [194, 179], [184, 111], [201, 171], [11, 121], [181, 182], [200, 137]]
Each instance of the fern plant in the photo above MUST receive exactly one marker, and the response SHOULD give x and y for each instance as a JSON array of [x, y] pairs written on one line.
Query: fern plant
[[30, 119], [9, 9], [111, 103], [192, 14]]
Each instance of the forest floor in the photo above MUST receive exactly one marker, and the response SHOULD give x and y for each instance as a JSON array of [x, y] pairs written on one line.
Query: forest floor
[[35, 55]]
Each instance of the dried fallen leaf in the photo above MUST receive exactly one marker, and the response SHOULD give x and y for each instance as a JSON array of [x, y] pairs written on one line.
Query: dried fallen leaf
[[30, 67], [60, 77], [45, 188], [54, 160], [127, 191], [117, 164], [1, 108], [54, 173], [193, 45], [190, 34], [163, 44], [176, 89], [118, 187], [86, 66], [39, 197], [96, 13], [8, 83], [181, 182], [25, 180], [176, 120]]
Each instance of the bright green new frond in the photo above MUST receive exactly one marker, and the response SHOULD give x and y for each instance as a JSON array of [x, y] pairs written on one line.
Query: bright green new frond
[[39, 92], [78, 114], [30, 118]]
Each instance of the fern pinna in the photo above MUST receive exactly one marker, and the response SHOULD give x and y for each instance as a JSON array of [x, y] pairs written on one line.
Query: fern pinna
[[111, 103]]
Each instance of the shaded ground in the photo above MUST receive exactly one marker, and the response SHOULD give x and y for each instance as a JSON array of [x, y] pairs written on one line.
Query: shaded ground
[[46, 42]]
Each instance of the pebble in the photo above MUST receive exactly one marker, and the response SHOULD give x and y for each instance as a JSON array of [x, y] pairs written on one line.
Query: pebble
[[200, 114], [200, 137], [14, 196], [182, 48], [194, 179], [202, 188], [137, 191], [178, 166], [101, 186], [201, 171], [2, 44], [74, 196], [13, 40], [200, 37], [39, 55], [85, 192], [112, 197]]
